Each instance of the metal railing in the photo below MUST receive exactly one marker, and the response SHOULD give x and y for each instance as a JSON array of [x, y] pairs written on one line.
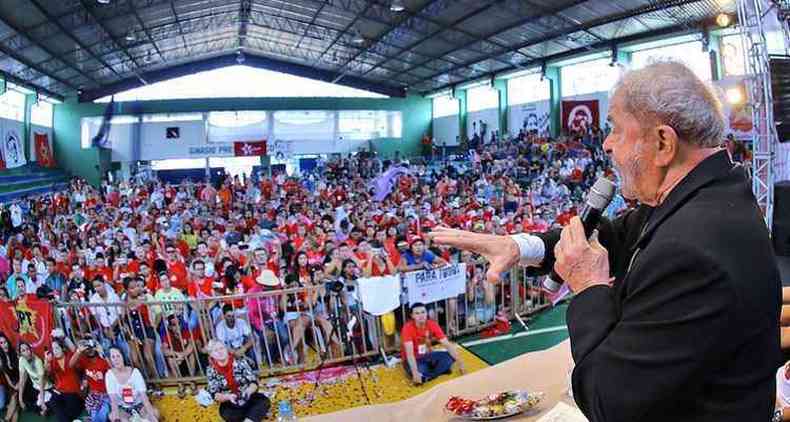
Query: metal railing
[[282, 331]]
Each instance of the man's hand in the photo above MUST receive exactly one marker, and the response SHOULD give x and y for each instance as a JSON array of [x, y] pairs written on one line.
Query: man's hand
[[500, 251], [416, 378], [581, 263]]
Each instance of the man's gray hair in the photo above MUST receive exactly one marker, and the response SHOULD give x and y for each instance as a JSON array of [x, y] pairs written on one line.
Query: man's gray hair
[[669, 93]]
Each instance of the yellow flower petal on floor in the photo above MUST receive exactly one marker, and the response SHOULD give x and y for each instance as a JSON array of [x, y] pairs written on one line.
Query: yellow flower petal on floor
[[383, 385]]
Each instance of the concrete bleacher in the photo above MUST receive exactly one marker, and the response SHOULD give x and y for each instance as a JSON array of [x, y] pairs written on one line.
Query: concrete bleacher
[[30, 179]]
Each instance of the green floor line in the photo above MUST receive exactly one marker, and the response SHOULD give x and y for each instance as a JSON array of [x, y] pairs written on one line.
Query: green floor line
[[517, 342], [514, 336]]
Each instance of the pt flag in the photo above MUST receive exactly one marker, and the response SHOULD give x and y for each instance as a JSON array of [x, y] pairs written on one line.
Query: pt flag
[[249, 149], [43, 150], [579, 115], [30, 320]]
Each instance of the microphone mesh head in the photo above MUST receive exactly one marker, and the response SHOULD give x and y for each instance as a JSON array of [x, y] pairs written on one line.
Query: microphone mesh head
[[601, 193]]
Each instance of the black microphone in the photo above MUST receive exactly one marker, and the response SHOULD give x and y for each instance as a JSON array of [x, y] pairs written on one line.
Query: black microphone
[[597, 200]]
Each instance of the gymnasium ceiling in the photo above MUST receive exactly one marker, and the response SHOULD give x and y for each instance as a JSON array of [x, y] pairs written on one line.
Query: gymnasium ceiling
[[69, 47]]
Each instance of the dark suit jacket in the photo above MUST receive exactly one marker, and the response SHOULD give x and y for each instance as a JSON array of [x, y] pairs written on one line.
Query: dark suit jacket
[[690, 332]]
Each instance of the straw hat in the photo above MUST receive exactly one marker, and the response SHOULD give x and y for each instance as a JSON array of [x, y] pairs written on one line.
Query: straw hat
[[268, 279]]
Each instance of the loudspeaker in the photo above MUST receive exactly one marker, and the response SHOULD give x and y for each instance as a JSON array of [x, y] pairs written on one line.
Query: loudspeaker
[[780, 87], [781, 229]]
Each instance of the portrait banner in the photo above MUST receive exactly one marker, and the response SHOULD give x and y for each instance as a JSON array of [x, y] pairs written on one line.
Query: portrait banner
[[13, 151], [579, 115]]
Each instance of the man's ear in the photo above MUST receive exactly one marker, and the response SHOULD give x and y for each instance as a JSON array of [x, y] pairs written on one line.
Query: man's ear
[[667, 145]]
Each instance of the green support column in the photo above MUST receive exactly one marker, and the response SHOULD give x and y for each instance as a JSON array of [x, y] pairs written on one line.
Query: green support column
[[461, 95], [501, 86], [555, 85], [716, 65], [624, 58], [30, 99]]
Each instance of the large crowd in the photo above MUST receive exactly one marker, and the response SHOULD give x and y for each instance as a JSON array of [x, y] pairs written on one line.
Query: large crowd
[[138, 243]]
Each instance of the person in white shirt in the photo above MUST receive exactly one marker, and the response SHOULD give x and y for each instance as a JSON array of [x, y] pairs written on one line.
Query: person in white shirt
[[127, 391], [107, 315], [235, 333]]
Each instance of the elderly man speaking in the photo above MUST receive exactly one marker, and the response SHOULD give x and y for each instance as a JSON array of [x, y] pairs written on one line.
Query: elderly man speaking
[[676, 311]]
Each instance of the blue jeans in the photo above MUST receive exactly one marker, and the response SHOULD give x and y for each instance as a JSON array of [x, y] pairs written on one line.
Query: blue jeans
[[432, 365], [3, 397], [101, 413]]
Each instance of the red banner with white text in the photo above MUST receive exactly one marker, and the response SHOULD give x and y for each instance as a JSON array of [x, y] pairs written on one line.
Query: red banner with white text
[[249, 149], [29, 319]]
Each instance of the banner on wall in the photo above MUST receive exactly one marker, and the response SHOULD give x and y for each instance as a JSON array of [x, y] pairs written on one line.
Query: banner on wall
[[738, 116], [249, 149], [44, 154], [30, 320], [531, 117], [13, 151], [437, 284], [579, 115]]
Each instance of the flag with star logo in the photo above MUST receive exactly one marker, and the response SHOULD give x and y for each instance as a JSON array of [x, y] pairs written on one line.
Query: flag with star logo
[[30, 320], [249, 149]]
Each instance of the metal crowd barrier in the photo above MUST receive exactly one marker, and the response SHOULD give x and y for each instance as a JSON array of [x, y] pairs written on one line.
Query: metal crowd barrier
[[166, 340]]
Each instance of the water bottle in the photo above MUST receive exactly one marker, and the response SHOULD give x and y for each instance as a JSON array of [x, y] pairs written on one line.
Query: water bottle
[[285, 412]]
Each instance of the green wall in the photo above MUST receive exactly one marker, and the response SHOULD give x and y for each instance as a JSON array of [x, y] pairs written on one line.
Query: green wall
[[416, 112]]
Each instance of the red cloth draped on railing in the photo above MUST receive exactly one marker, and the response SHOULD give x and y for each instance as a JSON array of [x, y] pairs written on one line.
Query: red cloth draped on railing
[[29, 319]]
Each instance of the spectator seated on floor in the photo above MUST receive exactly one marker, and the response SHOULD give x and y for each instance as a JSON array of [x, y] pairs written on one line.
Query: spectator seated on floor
[[233, 384], [422, 363]]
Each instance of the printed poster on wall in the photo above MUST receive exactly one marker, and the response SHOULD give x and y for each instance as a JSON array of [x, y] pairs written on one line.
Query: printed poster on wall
[[13, 151], [531, 117], [738, 116], [437, 284], [579, 115], [44, 154]]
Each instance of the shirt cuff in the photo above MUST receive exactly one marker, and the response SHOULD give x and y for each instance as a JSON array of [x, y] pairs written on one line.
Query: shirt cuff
[[531, 249]]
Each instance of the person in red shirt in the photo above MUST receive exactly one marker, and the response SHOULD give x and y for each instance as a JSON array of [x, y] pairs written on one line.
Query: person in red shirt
[[176, 267], [417, 337], [66, 402], [100, 269], [199, 284], [93, 367]]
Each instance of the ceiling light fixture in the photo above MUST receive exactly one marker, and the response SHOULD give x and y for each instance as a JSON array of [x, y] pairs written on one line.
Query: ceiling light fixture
[[723, 20], [103, 1], [131, 37], [240, 57], [397, 6]]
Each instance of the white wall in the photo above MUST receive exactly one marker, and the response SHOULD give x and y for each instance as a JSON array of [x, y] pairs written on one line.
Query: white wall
[[446, 129], [154, 144], [490, 116], [517, 115]]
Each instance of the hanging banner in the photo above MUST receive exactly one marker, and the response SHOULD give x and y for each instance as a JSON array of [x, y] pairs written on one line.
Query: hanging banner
[[13, 151], [579, 115], [738, 113], [531, 117], [44, 154], [429, 286], [249, 149], [30, 320]]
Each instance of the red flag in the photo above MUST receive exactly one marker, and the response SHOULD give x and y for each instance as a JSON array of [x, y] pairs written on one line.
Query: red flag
[[579, 115], [28, 319], [249, 149], [43, 151]]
